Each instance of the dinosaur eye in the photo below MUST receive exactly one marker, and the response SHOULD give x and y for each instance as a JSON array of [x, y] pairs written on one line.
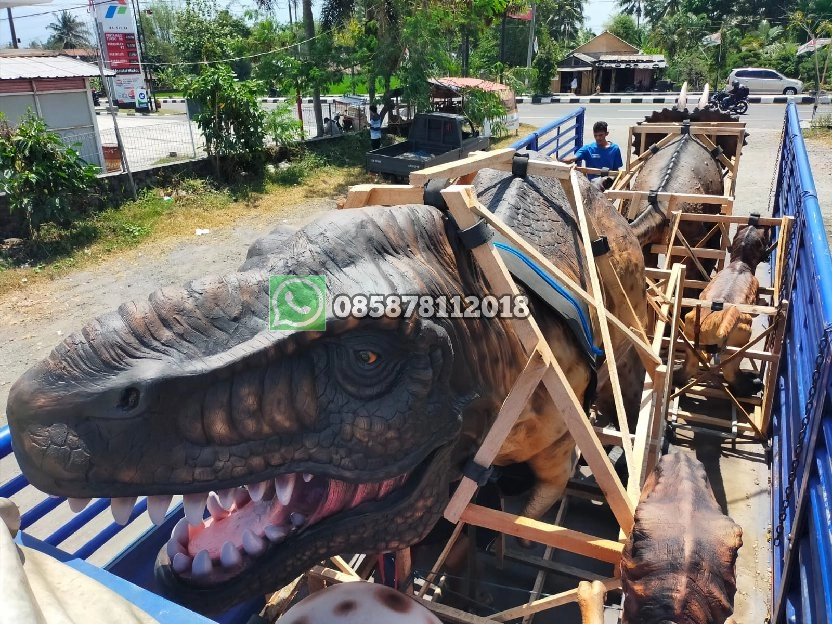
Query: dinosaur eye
[[366, 357]]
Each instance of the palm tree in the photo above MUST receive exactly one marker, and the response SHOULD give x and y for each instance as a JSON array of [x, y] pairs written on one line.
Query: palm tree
[[68, 31]]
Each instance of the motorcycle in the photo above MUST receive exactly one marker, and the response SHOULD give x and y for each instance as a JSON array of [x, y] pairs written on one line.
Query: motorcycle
[[727, 102]]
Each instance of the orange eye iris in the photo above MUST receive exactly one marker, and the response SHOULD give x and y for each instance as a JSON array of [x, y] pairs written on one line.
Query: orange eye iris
[[367, 357]]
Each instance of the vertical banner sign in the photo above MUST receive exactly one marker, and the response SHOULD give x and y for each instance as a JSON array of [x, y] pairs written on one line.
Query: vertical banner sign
[[115, 22]]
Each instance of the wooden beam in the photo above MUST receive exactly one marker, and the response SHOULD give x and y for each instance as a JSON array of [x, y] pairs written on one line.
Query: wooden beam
[[647, 356], [681, 250], [576, 542], [769, 385], [549, 602], [516, 401], [593, 268], [742, 307], [665, 196], [383, 195], [449, 614], [472, 163]]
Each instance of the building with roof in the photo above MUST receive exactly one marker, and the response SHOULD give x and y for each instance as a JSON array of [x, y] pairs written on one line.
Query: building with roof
[[57, 89], [608, 64]]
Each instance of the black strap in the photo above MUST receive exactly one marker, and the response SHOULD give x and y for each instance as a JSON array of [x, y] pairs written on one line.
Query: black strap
[[477, 473], [686, 127], [433, 195], [711, 348], [520, 165], [653, 200], [476, 235], [754, 219], [600, 246], [605, 171], [654, 148], [716, 152], [716, 306]]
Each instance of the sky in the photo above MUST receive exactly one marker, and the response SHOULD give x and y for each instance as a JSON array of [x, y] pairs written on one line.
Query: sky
[[31, 21]]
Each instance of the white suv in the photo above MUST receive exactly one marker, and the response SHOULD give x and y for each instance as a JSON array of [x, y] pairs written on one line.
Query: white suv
[[760, 80]]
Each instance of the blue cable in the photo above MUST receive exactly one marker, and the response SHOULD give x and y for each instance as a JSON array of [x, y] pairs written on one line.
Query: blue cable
[[566, 295]]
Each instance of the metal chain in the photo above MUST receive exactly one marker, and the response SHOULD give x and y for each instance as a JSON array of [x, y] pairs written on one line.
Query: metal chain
[[774, 175], [804, 425]]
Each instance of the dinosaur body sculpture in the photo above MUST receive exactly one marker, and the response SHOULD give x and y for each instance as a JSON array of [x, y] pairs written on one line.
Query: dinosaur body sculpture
[[684, 165], [679, 562], [736, 284], [305, 444]]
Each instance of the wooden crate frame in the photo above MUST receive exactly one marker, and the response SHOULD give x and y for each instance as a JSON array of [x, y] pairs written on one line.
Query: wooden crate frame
[[641, 449], [750, 416]]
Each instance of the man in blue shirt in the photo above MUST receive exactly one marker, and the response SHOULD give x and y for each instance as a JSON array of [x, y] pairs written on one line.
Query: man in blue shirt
[[600, 154]]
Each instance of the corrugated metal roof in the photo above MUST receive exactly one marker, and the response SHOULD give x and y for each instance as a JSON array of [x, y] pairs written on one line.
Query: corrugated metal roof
[[17, 67]]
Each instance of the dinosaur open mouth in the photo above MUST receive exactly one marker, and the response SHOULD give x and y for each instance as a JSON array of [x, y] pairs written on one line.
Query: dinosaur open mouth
[[245, 522]]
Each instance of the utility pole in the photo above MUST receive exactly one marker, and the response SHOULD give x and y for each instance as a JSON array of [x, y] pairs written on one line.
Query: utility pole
[[11, 27], [142, 43], [531, 41], [503, 44]]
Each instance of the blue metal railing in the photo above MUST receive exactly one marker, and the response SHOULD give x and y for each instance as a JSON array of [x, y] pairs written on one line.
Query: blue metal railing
[[802, 412], [566, 133]]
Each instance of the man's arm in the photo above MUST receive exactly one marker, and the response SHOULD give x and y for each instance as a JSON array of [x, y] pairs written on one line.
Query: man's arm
[[617, 160], [578, 155]]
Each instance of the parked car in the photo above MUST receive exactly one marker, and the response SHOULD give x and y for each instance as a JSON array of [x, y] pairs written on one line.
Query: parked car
[[762, 80]]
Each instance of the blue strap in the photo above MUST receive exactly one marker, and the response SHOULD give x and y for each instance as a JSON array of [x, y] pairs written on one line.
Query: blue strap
[[564, 293]]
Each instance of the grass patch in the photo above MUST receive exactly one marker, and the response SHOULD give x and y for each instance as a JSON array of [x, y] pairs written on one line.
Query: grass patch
[[821, 134]]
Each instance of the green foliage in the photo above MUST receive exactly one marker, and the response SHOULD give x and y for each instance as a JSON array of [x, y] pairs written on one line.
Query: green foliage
[[426, 56], [203, 32], [43, 178], [691, 67], [68, 31], [230, 117], [296, 171], [546, 64], [479, 105], [282, 127], [625, 27]]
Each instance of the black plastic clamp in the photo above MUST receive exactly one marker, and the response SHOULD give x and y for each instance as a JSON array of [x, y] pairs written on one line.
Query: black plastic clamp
[[717, 306], [686, 126], [432, 194], [520, 165], [654, 148], [600, 246], [476, 235], [754, 219], [716, 152], [653, 199], [477, 473]]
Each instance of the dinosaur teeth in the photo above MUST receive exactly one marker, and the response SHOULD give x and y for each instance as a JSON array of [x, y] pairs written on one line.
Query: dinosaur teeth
[[121, 508], [257, 490], [241, 497], [78, 504], [230, 556], [307, 477], [195, 508], [297, 519], [173, 547], [202, 564], [216, 508], [284, 485], [180, 531], [226, 498], [181, 563], [253, 544], [157, 508], [275, 533]]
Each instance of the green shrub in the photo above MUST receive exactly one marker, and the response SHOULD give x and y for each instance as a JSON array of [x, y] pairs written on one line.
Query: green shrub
[[282, 127], [43, 178]]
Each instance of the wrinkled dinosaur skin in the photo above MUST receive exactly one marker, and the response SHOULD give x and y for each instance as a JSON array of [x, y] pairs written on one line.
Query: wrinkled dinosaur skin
[[679, 563], [738, 284], [684, 165], [190, 392]]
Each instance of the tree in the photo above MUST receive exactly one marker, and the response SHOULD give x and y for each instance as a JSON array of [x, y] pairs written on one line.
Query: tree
[[624, 27], [68, 31]]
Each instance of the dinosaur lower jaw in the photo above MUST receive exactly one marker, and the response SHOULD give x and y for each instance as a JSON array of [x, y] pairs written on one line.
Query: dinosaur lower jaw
[[246, 523]]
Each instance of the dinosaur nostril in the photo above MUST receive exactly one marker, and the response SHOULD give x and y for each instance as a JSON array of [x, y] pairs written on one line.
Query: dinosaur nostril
[[129, 399]]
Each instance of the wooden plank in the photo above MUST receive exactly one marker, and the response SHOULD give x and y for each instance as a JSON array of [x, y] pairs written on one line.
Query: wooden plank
[[729, 219], [472, 163], [665, 196], [717, 393], [594, 267], [770, 385], [383, 195], [742, 307], [709, 420], [440, 561], [648, 358], [674, 229], [343, 566], [549, 602], [515, 403], [586, 440], [449, 614], [761, 356], [404, 570], [570, 540]]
